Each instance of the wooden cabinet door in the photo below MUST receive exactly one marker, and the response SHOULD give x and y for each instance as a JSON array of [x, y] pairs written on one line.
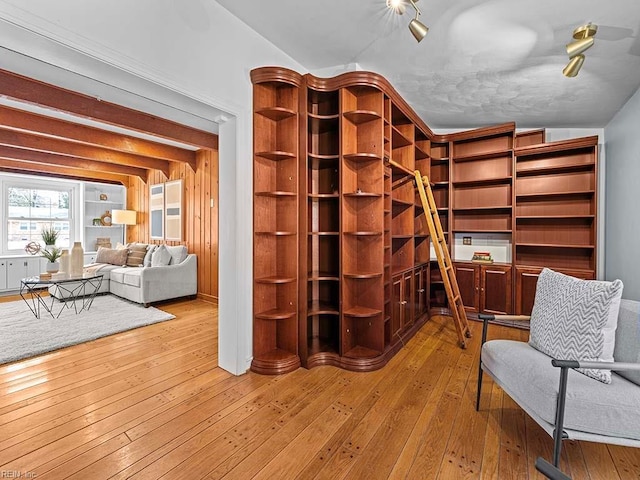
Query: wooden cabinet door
[[397, 309], [468, 277], [420, 285], [527, 280], [495, 289], [407, 300]]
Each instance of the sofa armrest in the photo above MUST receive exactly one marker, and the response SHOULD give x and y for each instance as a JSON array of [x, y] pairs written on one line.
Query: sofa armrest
[[486, 318], [614, 366], [164, 272], [564, 366]]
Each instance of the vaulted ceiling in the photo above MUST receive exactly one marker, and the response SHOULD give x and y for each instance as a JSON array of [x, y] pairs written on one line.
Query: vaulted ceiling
[[47, 130]]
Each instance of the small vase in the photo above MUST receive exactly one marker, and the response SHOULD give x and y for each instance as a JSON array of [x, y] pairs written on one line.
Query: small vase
[[77, 260], [64, 262]]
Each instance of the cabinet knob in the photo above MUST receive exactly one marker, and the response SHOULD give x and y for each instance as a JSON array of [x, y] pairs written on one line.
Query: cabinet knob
[[477, 289], [403, 303], [421, 290], [482, 289]]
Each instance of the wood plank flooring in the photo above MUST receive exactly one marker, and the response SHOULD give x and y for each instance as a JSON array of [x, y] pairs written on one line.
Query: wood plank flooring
[[151, 403]]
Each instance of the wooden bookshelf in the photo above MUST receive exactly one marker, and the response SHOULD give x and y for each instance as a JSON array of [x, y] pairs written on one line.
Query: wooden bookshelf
[[343, 273], [555, 212], [275, 177]]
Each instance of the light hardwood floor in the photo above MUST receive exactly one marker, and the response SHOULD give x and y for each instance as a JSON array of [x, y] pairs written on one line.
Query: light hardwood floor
[[151, 403]]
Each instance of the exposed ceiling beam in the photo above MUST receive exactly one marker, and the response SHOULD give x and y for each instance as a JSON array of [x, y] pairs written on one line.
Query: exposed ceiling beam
[[40, 93], [15, 166], [35, 123], [46, 158], [52, 145]]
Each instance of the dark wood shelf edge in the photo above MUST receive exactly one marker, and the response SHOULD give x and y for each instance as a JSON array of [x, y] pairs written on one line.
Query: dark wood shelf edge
[[554, 245], [275, 366], [482, 182], [274, 315], [366, 364], [276, 113], [482, 156]]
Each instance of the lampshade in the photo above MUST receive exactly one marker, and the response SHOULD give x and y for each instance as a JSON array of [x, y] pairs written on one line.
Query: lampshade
[[579, 46], [583, 41], [418, 29], [124, 217], [574, 66]]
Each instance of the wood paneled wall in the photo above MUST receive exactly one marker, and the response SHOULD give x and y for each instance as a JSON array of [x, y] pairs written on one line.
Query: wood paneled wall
[[200, 219]]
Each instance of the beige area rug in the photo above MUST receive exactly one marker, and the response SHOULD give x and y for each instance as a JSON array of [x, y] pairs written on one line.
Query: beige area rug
[[22, 335]]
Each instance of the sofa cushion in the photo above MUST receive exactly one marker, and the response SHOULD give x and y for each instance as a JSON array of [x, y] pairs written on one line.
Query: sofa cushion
[[575, 319], [160, 256], [527, 375], [113, 256], [127, 276], [628, 338], [136, 253], [147, 256], [103, 269], [178, 253]]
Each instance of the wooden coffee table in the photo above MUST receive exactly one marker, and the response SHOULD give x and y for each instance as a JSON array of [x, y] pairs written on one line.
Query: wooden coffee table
[[77, 292]]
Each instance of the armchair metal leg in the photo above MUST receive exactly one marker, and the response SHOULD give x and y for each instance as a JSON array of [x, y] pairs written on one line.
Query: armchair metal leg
[[485, 324], [558, 433], [479, 387], [549, 470]]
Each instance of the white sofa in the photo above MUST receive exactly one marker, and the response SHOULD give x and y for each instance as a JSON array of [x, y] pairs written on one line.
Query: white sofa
[[148, 284]]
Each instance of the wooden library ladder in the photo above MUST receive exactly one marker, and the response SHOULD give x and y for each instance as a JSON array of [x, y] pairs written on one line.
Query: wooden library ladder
[[444, 259]]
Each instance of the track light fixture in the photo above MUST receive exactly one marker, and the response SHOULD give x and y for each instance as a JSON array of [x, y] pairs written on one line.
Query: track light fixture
[[583, 40], [417, 28]]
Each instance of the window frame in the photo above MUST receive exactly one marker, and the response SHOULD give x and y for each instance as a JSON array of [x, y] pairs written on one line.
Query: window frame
[[72, 188]]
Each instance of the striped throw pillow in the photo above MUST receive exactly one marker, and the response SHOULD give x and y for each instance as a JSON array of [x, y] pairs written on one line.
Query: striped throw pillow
[[135, 257]]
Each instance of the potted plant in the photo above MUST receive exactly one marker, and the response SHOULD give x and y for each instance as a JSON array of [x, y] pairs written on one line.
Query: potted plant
[[49, 236], [53, 254]]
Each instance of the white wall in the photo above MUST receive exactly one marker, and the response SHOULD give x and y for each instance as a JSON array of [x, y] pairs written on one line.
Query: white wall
[[192, 55], [623, 198]]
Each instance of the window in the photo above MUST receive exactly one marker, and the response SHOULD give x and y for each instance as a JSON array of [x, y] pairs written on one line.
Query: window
[[30, 209]]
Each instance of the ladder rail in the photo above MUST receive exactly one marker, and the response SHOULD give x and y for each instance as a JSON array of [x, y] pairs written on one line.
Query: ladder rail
[[443, 257]]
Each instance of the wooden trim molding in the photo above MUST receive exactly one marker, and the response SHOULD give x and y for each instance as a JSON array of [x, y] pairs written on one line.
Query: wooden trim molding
[[36, 92], [15, 119]]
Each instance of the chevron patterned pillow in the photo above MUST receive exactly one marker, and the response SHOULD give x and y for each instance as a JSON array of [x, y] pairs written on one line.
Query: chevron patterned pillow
[[575, 319]]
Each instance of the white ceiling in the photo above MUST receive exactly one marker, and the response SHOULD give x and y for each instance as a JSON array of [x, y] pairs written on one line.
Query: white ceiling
[[482, 62]]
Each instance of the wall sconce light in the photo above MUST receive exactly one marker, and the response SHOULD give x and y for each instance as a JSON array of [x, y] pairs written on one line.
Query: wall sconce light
[[417, 28], [583, 40]]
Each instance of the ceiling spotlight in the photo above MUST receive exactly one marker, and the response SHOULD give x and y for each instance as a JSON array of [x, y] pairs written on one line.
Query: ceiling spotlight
[[398, 6], [583, 37], [417, 28], [574, 66]]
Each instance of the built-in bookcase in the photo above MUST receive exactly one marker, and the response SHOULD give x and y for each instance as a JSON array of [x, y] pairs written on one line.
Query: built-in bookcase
[[320, 332], [439, 178], [556, 208], [275, 178], [482, 186], [343, 267], [362, 222]]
